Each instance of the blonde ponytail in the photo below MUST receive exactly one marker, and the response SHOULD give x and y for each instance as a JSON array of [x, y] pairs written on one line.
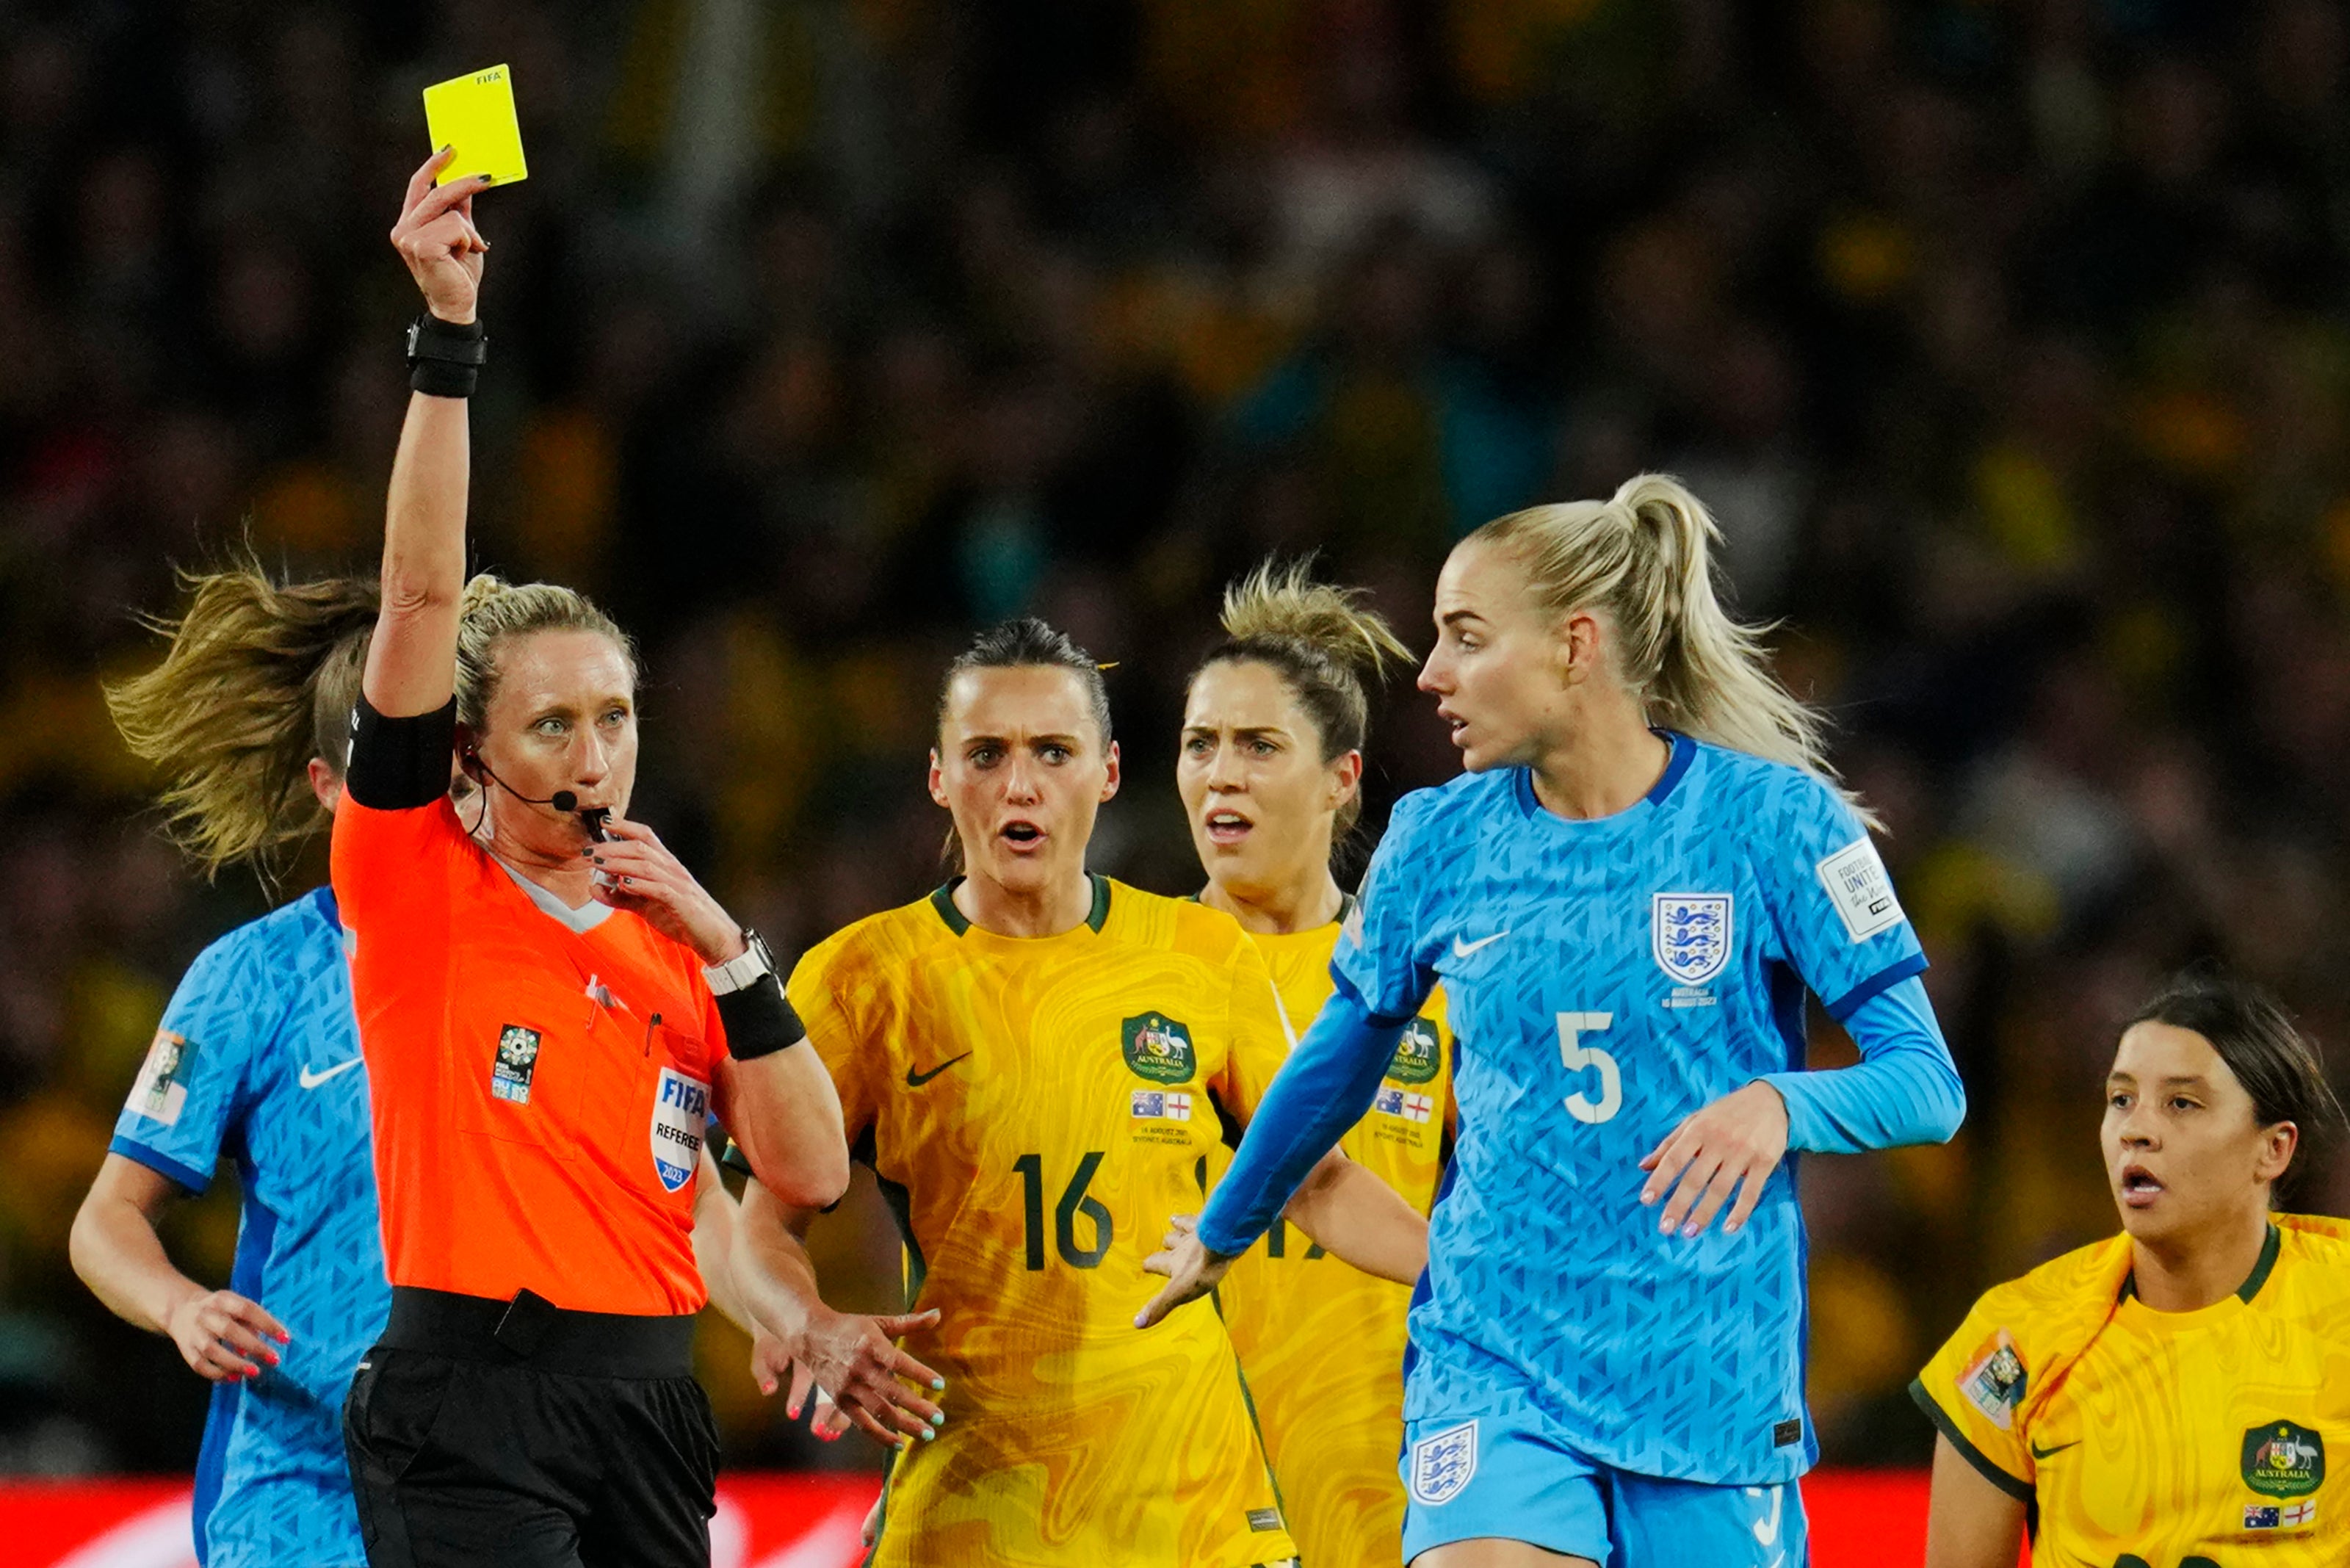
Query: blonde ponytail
[[1324, 645], [1645, 555], [260, 677], [493, 609]]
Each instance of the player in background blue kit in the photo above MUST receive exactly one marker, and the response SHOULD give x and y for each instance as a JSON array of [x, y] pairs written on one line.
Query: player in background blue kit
[[1627, 895], [257, 1060]]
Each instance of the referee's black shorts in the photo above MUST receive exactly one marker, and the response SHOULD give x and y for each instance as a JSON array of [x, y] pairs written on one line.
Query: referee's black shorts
[[484, 1431]]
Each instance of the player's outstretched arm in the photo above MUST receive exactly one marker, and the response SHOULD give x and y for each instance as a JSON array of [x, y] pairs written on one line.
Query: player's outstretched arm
[[848, 1355], [222, 1335], [1351, 1214], [1971, 1523], [412, 663]]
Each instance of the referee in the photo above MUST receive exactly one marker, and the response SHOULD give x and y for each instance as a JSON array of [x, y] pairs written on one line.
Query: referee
[[551, 1008]]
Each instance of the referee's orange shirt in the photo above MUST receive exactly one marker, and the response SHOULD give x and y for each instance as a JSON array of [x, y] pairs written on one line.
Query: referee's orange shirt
[[539, 1093]]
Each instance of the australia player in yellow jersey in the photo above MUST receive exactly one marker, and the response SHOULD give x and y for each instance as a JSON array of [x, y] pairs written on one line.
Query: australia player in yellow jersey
[[1036, 1063], [1269, 772], [2177, 1397]]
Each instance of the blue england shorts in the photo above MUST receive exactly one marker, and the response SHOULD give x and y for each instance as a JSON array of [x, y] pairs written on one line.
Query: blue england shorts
[[1514, 1476]]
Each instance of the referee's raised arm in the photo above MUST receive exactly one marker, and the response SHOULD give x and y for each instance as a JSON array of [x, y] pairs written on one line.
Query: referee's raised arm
[[412, 661]]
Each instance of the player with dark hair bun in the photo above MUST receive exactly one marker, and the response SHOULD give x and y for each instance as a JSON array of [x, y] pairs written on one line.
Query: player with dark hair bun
[[1038, 1063], [2169, 1395]]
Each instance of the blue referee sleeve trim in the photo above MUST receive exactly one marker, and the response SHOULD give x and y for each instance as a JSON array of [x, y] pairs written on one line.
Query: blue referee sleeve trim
[[1323, 1089], [1883, 980], [194, 1181], [1904, 1089]]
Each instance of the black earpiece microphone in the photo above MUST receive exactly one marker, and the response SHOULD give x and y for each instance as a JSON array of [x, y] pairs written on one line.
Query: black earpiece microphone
[[562, 800]]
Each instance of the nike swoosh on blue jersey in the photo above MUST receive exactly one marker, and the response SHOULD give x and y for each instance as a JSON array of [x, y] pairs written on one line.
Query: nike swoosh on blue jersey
[[312, 1080], [1462, 950]]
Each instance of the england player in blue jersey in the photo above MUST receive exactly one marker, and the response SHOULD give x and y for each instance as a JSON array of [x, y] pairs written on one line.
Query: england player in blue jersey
[[257, 1061], [1627, 896]]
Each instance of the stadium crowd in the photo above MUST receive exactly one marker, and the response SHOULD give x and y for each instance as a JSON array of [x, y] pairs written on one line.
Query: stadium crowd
[[2007, 337]]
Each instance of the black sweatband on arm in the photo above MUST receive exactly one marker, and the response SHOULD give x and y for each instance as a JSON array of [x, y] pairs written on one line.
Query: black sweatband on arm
[[445, 358], [759, 1020], [398, 764]]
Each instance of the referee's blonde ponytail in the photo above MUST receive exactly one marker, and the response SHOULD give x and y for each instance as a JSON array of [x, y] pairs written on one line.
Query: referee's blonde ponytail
[[1322, 642], [1645, 555], [260, 677], [493, 609]]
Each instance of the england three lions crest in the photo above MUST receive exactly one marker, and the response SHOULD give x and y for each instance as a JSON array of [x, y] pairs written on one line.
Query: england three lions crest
[[1689, 933], [1443, 1463]]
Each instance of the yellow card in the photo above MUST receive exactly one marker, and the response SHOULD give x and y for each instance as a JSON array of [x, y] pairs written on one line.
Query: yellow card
[[476, 115]]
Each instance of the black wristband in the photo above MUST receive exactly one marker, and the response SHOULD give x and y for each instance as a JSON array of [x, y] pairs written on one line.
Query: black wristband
[[759, 1020], [398, 764], [445, 358]]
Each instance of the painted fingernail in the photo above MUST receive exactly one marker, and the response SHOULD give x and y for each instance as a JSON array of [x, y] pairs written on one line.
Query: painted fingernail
[[1665, 1226], [1688, 1229], [930, 1434], [1731, 1228], [938, 1382], [938, 1417]]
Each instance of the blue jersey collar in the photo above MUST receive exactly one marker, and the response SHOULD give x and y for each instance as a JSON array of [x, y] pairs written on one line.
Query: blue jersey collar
[[1677, 765]]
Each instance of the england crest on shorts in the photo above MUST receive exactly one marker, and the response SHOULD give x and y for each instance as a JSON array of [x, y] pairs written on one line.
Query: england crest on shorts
[[1443, 1463], [680, 1109], [1689, 933]]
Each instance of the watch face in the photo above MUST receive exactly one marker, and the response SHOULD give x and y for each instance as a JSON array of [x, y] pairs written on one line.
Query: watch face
[[414, 332]]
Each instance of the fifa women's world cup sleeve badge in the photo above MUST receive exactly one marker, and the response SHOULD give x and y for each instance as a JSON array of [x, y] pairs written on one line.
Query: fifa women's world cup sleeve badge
[[162, 1086], [1994, 1382]]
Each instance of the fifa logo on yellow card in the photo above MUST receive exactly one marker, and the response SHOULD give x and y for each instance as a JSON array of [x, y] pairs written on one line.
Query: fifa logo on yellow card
[[1158, 1048]]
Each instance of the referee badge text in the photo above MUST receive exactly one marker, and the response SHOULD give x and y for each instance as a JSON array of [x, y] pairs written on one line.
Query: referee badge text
[[517, 1061], [680, 1112]]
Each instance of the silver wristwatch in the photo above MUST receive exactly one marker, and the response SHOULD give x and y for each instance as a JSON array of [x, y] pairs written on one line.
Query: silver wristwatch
[[745, 967]]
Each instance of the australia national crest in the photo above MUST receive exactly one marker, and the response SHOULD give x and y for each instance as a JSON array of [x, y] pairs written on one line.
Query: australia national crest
[[1689, 933], [1443, 1463]]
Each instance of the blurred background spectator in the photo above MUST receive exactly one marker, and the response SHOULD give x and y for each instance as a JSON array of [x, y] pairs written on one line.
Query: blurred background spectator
[[2008, 337]]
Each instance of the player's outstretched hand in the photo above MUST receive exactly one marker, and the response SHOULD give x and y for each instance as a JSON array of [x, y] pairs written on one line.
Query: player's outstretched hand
[[224, 1337], [637, 872], [853, 1358], [1190, 1269], [1733, 1144], [826, 1421], [436, 237]]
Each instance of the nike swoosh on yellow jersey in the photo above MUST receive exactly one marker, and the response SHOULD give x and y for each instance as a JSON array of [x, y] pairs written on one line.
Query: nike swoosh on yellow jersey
[[2039, 1453], [915, 1078]]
